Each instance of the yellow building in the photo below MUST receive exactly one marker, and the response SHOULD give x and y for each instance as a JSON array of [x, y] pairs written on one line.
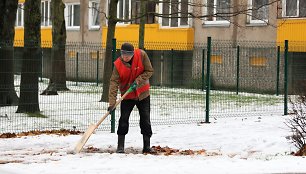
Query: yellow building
[[291, 24], [85, 22]]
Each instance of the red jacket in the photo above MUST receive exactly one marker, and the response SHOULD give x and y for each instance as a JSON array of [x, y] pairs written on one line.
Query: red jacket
[[129, 74]]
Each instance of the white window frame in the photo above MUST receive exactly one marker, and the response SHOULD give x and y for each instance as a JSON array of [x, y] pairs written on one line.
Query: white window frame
[[22, 15], [251, 21], [123, 10], [46, 20], [67, 16], [160, 19], [90, 15], [214, 22], [284, 4]]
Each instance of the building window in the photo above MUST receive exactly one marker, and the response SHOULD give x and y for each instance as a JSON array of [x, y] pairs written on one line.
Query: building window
[[258, 11], [19, 15], [45, 10], [218, 12], [94, 14], [72, 13], [130, 9], [135, 12], [124, 11], [294, 8], [174, 13]]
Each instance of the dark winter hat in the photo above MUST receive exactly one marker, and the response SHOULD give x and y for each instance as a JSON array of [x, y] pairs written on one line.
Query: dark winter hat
[[127, 47]]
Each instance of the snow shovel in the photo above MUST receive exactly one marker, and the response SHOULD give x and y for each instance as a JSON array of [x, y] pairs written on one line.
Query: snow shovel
[[92, 127]]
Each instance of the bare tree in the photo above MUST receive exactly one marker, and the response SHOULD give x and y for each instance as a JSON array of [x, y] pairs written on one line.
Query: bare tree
[[143, 12], [8, 9], [58, 77], [112, 21], [297, 124], [31, 58]]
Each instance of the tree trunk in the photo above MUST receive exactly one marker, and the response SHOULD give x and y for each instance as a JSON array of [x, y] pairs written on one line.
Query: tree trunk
[[108, 53], [8, 9], [31, 58], [58, 77], [143, 11]]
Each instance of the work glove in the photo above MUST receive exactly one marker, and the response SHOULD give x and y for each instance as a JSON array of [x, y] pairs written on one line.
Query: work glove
[[133, 86], [111, 108]]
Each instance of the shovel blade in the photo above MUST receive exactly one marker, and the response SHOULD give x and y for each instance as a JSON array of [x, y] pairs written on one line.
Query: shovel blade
[[84, 139]]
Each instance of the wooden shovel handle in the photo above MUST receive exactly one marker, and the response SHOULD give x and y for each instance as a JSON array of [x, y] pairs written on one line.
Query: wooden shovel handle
[[117, 103]]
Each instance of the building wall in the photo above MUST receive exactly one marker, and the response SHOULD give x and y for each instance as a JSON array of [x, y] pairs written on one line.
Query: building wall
[[238, 28], [84, 34]]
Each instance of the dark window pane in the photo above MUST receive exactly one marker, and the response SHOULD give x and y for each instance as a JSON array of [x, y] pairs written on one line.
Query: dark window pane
[[174, 13], [135, 11], [126, 10], [302, 8], [184, 12], [260, 10], [50, 17], [46, 13], [210, 9], [151, 10], [120, 9], [165, 20], [223, 9], [19, 22], [42, 12], [70, 15], [291, 7], [76, 15], [95, 14]]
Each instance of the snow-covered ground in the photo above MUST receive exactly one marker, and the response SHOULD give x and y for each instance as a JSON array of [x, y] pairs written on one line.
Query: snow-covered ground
[[247, 134], [232, 145]]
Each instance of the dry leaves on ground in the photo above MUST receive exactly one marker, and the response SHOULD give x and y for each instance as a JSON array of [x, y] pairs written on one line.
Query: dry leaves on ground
[[62, 132]]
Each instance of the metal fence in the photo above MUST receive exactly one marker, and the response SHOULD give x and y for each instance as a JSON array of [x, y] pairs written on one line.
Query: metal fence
[[192, 83]]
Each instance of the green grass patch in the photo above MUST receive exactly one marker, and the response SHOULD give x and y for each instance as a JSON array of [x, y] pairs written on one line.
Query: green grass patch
[[217, 97], [36, 115], [245, 100]]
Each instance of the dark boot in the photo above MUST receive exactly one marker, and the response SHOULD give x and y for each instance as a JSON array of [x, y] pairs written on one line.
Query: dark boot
[[146, 145], [120, 147]]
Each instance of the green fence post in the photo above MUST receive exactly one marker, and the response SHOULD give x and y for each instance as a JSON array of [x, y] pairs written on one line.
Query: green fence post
[[286, 80], [77, 68], [172, 52], [208, 79], [238, 69], [203, 78], [97, 68], [113, 119], [277, 70]]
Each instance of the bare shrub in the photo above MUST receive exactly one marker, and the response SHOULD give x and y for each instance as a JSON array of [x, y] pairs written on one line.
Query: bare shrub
[[297, 124]]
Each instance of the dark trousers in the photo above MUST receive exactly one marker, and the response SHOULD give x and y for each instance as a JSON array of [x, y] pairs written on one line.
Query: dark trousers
[[143, 106]]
